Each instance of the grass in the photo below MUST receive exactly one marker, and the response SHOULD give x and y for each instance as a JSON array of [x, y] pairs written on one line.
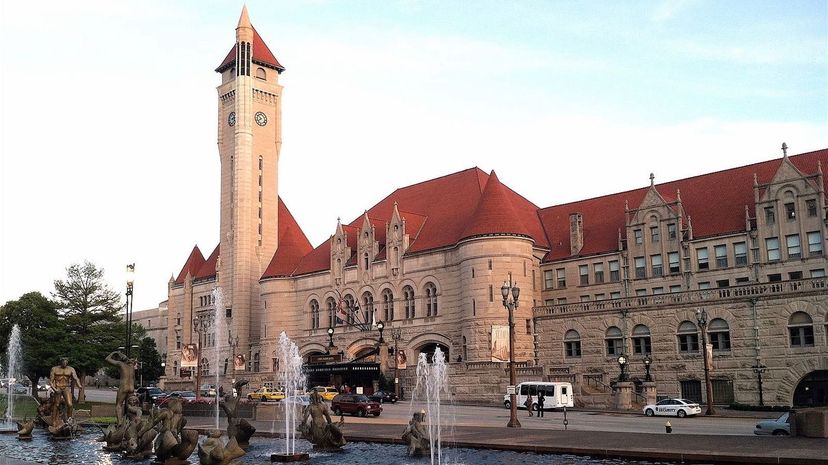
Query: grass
[[24, 406]]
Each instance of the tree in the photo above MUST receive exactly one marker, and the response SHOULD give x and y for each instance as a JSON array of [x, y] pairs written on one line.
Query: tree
[[150, 359], [38, 319], [89, 310]]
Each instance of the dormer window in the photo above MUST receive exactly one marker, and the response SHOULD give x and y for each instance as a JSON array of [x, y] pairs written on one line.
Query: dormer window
[[790, 211]]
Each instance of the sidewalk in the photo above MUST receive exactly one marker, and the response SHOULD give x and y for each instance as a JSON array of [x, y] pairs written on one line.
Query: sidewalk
[[644, 446]]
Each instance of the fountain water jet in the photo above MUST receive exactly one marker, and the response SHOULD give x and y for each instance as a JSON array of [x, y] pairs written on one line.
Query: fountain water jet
[[218, 295], [13, 367], [432, 383], [293, 380]]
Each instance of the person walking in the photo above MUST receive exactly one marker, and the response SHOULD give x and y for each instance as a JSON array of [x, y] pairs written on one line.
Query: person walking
[[541, 399], [529, 404]]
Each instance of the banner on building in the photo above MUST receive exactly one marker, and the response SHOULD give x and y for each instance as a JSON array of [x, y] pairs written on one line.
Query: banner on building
[[189, 355], [708, 352], [239, 363], [500, 343], [401, 359]]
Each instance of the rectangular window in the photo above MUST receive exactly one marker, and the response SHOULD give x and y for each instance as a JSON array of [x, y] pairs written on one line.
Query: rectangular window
[[639, 236], [562, 301], [561, 272], [549, 302], [615, 273], [491, 293], [599, 296], [585, 298], [675, 288], [615, 295], [671, 231], [812, 207], [657, 265], [658, 290], [723, 283], [774, 278], [599, 272], [640, 292], [742, 280], [688, 343], [573, 348], [795, 275], [740, 253], [673, 258], [701, 258], [820, 273], [790, 211], [794, 248], [640, 267], [548, 279], [655, 234], [614, 347], [642, 345], [815, 243], [802, 336], [772, 244], [721, 256], [770, 215], [583, 272], [704, 285]]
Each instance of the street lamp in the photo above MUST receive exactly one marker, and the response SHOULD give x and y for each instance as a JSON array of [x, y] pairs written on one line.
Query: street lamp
[[330, 338], [759, 369], [701, 318], [510, 293], [622, 363], [380, 327], [647, 362], [130, 272]]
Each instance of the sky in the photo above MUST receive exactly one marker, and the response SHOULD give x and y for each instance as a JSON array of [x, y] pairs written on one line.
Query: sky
[[108, 111]]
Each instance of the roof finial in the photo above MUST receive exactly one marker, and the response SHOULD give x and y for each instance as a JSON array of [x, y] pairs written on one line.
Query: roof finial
[[244, 19], [652, 179], [784, 150]]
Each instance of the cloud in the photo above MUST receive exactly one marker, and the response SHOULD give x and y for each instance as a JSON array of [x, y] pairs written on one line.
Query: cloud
[[669, 9]]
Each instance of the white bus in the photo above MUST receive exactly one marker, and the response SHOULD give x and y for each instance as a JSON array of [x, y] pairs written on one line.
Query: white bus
[[556, 395]]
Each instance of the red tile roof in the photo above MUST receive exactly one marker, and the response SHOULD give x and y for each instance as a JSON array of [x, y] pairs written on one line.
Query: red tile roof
[[208, 269], [261, 55], [293, 245], [191, 266], [726, 191], [495, 213]]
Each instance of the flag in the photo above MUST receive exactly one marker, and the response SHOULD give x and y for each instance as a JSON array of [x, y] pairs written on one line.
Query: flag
[[341, 316]]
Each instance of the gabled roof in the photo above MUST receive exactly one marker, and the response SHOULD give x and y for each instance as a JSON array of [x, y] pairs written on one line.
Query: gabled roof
[[191, 266], [208, 269], [715, 202], [261, 55], [293, 245]]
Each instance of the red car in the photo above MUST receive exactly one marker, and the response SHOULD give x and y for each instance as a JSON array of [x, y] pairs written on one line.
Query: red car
[[355, 404]]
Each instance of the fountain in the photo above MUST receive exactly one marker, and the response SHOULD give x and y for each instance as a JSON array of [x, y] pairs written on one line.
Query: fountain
[[13, 369], [219, 320], [432, 382], [293, 381]]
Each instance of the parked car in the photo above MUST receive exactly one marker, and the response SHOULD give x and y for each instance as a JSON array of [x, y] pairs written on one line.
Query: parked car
[[556, 395], [150, 394], [18, 388], [383, 397], [327, 392], [208, 390], [778, 427], [673, 407], [186, 396], [265, 393], [355, 404]]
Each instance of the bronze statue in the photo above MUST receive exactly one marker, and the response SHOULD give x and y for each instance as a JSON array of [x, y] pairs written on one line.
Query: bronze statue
[[321, 431], [213, 452], [24, 429], [415, 435], [126, 367], [174, 444], [237, 428], [140, 433], [61, 378]]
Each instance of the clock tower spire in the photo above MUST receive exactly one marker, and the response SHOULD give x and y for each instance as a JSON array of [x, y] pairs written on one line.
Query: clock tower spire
[[249, 140]]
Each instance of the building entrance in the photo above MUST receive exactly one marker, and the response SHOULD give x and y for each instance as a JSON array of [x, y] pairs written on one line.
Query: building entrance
[[812, 391]]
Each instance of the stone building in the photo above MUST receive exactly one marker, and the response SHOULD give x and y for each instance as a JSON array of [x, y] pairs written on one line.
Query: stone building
[[428, 261], [154, 321]]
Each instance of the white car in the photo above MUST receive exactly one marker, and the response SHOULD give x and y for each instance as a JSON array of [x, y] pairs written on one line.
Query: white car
[[674, 408], [779, 427]]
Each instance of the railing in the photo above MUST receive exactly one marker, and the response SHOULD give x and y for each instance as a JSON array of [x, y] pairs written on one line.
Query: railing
[[688, 297]]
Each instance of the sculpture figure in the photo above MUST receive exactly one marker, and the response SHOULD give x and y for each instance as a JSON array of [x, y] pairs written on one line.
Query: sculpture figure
[[61, 378], [126, 367], [140, 432], [415, 435], [174, 443], [57, 411], [237, 428], [213, 452], [24, 429], [320, 431]]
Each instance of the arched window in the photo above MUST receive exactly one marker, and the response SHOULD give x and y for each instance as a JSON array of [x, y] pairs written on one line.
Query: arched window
[[719, 334], [314, 310], [350, 307], [688, 337], [615, 341], [261, 74], [408, 297], [205, 367], [365, 260], [331, 304], [388, 304], [801, 330], [641, 340], [431, 299], [572, 344], [367, 308], [430, 349]]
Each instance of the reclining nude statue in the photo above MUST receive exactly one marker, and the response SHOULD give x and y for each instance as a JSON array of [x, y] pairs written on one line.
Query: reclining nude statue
[[415, 435], [237, 428], [320, 431], [213, 452]]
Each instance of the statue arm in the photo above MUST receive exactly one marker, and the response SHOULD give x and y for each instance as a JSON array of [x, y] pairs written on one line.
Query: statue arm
[[75, 377], [52, 377]]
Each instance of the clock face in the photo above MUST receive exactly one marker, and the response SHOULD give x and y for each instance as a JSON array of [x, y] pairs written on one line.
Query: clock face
[[231, 118], [261, 118]]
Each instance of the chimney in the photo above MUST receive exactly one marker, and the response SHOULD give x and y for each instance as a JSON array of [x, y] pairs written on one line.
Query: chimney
[[576, 233]]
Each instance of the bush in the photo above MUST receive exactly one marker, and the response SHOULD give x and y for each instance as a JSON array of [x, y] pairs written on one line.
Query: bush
[[760, 408]]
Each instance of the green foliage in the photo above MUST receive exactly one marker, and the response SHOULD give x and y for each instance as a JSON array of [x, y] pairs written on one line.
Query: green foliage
[[42, 335], [150, 360]]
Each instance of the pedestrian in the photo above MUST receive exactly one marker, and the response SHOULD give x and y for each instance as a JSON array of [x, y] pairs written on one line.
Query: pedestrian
[[529, 404], [221, 391], [541, 399]]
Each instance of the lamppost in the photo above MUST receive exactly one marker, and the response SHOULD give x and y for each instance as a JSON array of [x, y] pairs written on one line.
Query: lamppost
[[200, 325], [396, 335], [510, 293], [330, 339], [130, 272], [647, 362], [701, 318], [622, 363], [759, 369], [380, 327]]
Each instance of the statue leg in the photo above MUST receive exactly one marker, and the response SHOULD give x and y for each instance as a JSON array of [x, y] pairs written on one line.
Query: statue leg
[[67, 397]]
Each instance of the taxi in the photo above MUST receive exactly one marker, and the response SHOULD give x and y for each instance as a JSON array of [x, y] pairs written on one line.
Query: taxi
[[673, 407], [265, 393], [327, 392]]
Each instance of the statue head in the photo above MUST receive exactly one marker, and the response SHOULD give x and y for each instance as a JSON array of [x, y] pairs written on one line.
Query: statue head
[[133, 400], [64, 362], [315, 397]]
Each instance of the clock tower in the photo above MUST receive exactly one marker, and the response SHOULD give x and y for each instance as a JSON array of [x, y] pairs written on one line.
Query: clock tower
[[249, 140]]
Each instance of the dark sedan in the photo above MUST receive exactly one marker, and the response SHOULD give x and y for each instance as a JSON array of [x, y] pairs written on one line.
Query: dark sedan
[[383, 397]]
